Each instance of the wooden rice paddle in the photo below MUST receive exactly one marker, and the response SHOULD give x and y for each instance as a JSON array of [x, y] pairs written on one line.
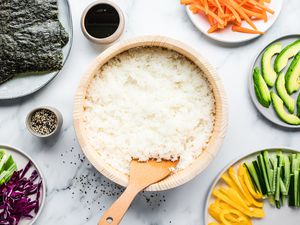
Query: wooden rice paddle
[[142, 175]]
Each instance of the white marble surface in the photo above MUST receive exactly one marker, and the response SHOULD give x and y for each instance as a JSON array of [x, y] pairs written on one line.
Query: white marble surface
[[71, 202]]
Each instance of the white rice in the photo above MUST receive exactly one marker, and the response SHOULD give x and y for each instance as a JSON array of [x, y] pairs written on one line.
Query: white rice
[[149, 102]]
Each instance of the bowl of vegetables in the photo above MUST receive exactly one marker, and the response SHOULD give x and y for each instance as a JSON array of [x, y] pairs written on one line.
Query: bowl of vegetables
[[254, 187], [22, 188]]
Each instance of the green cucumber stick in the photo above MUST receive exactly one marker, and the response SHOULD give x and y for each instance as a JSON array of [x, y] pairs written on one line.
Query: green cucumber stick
[[263, 170], [268, 166]]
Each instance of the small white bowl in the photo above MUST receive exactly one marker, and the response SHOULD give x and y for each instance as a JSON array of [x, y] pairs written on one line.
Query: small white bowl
[[55, 131], [110, 39]]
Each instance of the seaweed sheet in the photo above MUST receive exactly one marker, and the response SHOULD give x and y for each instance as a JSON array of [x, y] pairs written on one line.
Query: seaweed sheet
[[31, 37]]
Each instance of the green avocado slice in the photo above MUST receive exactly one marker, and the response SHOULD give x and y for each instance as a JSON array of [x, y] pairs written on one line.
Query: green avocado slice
[[292, 81], [288, 52], [289, 102], [268, 71], [261, 89], [282, 114]]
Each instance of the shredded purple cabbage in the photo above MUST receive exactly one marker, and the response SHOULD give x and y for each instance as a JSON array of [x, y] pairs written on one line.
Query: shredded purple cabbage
[[16, 196]]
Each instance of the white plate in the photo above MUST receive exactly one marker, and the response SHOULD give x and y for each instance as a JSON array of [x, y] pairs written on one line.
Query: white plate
[[285, 215], [227, 35], [269, 113], [25, 85], [21, 159]]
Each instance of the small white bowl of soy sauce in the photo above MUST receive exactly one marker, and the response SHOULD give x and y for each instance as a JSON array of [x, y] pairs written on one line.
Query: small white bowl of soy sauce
[[102, 22]]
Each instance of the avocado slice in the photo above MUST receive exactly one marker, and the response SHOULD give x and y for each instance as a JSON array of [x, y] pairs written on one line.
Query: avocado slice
[[288, 52], [289, 102], [292, 81], [282, 114], [298, 105], [268, 71], [261, 89]]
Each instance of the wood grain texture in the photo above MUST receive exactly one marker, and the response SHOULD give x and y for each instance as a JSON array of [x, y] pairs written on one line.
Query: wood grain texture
[[221, 117], [142, 174]]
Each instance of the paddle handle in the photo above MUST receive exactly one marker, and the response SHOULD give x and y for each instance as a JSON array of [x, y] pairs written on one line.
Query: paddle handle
[[115, 213]]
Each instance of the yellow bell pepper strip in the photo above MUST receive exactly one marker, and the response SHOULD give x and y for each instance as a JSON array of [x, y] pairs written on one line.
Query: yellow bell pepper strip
[[232, 175], [232, 184], [214, 211], [230, 202], [249, 184], [249, 211], [246, 191], [213, 223], [230, 217], [234, 195], [241, 218]]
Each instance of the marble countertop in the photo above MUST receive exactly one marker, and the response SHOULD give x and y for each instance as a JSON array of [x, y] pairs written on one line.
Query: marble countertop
[[77, 194]]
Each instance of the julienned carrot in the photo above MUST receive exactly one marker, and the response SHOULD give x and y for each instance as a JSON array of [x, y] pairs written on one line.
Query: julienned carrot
[[242, 13], [219, 6], [221, 13], [218, 19], [245, 30], [261, 5], [213, 28], [235, 14]]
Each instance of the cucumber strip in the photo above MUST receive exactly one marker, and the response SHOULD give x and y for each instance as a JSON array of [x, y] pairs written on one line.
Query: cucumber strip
[[298, 203], [6, 175], [283, 199], [263, 170], [293, 159], [268, 167], [271, 180], [254, 177], [2, 162], [2, 152], [277, 191], [271, 200], [291, 192], [287, 171], [283, 188], [260, 177], [278, 205], [296, 187], [298, 191], [274, 175]]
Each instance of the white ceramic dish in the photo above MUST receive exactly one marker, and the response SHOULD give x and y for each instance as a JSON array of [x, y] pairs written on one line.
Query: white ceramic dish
[[285, 215], [25, 85], [227, 35], [21, 159], [269, 113]]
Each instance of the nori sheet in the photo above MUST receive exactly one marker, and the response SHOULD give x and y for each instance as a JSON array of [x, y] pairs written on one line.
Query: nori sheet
[[31, 37]]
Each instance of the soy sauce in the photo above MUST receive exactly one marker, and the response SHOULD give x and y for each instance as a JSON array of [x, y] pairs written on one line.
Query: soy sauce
[[102, 20]]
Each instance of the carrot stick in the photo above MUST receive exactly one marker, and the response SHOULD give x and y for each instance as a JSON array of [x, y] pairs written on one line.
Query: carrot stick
[[219, 6], [242, 13], [262, 6], [245, 30], [213, 28], [186, 2], [220, 21], [235, 14], [206, 7]]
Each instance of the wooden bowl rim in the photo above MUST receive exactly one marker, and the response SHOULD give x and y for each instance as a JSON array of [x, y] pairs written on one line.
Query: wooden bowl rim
[[221, 117]]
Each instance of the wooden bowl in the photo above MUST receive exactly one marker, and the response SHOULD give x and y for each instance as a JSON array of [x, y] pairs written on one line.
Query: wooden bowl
[[221, 118]]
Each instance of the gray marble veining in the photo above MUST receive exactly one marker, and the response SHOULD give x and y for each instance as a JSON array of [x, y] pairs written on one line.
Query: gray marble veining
[[77, 194]]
